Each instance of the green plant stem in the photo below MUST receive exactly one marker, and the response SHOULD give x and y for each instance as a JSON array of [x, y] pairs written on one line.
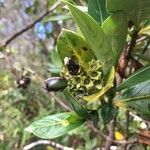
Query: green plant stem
[[60, 102]]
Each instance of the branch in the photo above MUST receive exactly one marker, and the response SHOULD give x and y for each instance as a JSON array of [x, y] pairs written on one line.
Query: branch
[[138, 118], [111, 134], [141, 39], [9, 40], [132, 44], [60, 102], [122, 142], [45, 142], [147, 45]]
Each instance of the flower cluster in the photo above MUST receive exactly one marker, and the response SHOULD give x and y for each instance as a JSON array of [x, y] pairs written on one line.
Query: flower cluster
[[88, 80]]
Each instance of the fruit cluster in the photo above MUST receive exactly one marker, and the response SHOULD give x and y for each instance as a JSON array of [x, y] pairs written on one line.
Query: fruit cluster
[[87, 80]]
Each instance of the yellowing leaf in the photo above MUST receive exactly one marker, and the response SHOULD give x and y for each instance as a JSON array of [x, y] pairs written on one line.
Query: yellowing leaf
[[55, 125], [119, 135], [145, 30], [109, 84], [120, 104]]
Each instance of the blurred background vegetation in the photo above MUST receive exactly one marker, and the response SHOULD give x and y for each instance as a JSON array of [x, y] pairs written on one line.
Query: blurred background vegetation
[[33, 54]]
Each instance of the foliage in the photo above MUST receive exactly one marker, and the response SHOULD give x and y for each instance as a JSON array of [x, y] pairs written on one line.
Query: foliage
[[101, 69], [105, 44]]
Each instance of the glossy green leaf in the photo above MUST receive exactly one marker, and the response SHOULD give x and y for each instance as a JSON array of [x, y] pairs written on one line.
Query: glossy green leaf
[[136, 10], [94, 36], [115, 28], [108, 113], [55, 125], [108, 85], [70, 44], [136, 98], [138, 77], [78, 108], [97, 9]]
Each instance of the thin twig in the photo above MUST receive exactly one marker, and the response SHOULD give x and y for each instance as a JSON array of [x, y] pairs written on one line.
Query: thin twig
[[141, 39], [138, 118], [122, 142], [111, 134], [49, 11], [45, 142], [60, 102], [145, 48]]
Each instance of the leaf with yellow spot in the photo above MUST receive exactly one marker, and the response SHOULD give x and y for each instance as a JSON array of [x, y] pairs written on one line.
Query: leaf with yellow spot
[[65, 123], [55, 125], [72, 45]]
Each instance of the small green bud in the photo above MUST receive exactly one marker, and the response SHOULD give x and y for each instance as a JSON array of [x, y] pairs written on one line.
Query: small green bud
[[94, 65], [87, 82], [96, 75]]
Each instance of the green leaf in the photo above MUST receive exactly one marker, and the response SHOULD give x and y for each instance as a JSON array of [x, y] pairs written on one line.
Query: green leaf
[[55, 58], [136, 10], [94, 36], [97, 10], [138, 77], [57, 17], [55, 125], [115, 28], [108, 113], [94, 117], [56, 66], [70, 44], [136, 98], [78, 108], [107, 86], [54, 70]]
